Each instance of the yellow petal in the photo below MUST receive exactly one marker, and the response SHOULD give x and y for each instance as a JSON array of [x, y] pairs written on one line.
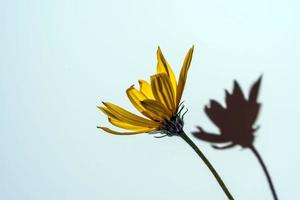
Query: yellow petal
[[124, 125], [157, 108], [125, 133], [136, 97], [145, 88], [183, 75], [130, 118], [107, 112], [164, 67], [163, 90]]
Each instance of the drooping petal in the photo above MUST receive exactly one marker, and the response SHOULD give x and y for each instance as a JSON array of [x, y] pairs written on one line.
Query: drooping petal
[[107, 112], [183, 75], [163, 91], [130, 118], [145, 88], [124, 125], [157, 108], [125, 133], [136, 97], [164, 67]]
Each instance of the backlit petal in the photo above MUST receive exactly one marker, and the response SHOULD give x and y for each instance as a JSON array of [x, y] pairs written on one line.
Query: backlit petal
[[183, 75], [145, 88], [107, 112], [157, 108], [124, 125], [125, 133], [163, 90], [136, 97], [128, 117], [164, 67]]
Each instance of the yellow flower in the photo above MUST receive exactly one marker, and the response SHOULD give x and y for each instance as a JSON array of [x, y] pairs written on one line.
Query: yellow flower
[[158, 101]]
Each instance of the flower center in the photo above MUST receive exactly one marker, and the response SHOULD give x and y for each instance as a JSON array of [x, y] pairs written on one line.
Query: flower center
[[174, 126]]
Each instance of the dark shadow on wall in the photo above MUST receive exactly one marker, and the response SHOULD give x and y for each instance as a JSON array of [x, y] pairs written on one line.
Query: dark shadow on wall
[[235, 122]]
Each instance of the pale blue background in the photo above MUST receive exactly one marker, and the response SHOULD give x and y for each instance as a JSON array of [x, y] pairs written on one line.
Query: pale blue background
[[59, 59]]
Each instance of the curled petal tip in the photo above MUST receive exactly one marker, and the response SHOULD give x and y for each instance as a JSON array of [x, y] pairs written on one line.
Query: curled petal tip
[[129, 88]]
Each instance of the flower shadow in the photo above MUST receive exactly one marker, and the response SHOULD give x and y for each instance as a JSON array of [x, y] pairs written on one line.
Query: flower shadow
[[235, 121]]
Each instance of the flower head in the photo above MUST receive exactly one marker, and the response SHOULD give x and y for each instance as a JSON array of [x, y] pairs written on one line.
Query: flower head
[[158, 101], [236, 121]]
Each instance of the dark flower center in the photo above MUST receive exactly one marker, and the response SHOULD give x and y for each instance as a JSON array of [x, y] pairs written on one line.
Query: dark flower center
[[174, 126]]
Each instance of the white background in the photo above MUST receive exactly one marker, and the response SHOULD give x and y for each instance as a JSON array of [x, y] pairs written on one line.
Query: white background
[[60, 59]]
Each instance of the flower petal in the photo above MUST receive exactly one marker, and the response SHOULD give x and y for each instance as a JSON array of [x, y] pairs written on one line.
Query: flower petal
[[128, 117], [107, 112], [163, 90], [157, 108], [164, 67], [145, 88], [125, 133], [136, 97], [183, 75], [124, 125]]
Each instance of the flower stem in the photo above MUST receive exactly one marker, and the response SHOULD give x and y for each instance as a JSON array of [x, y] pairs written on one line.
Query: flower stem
[[205, 160], [265, 170]]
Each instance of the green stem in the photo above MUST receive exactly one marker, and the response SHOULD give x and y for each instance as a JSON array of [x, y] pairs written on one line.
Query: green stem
[[205, 160]]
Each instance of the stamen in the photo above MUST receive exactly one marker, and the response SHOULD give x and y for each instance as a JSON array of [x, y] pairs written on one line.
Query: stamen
[[185, 113], [182, 107]]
